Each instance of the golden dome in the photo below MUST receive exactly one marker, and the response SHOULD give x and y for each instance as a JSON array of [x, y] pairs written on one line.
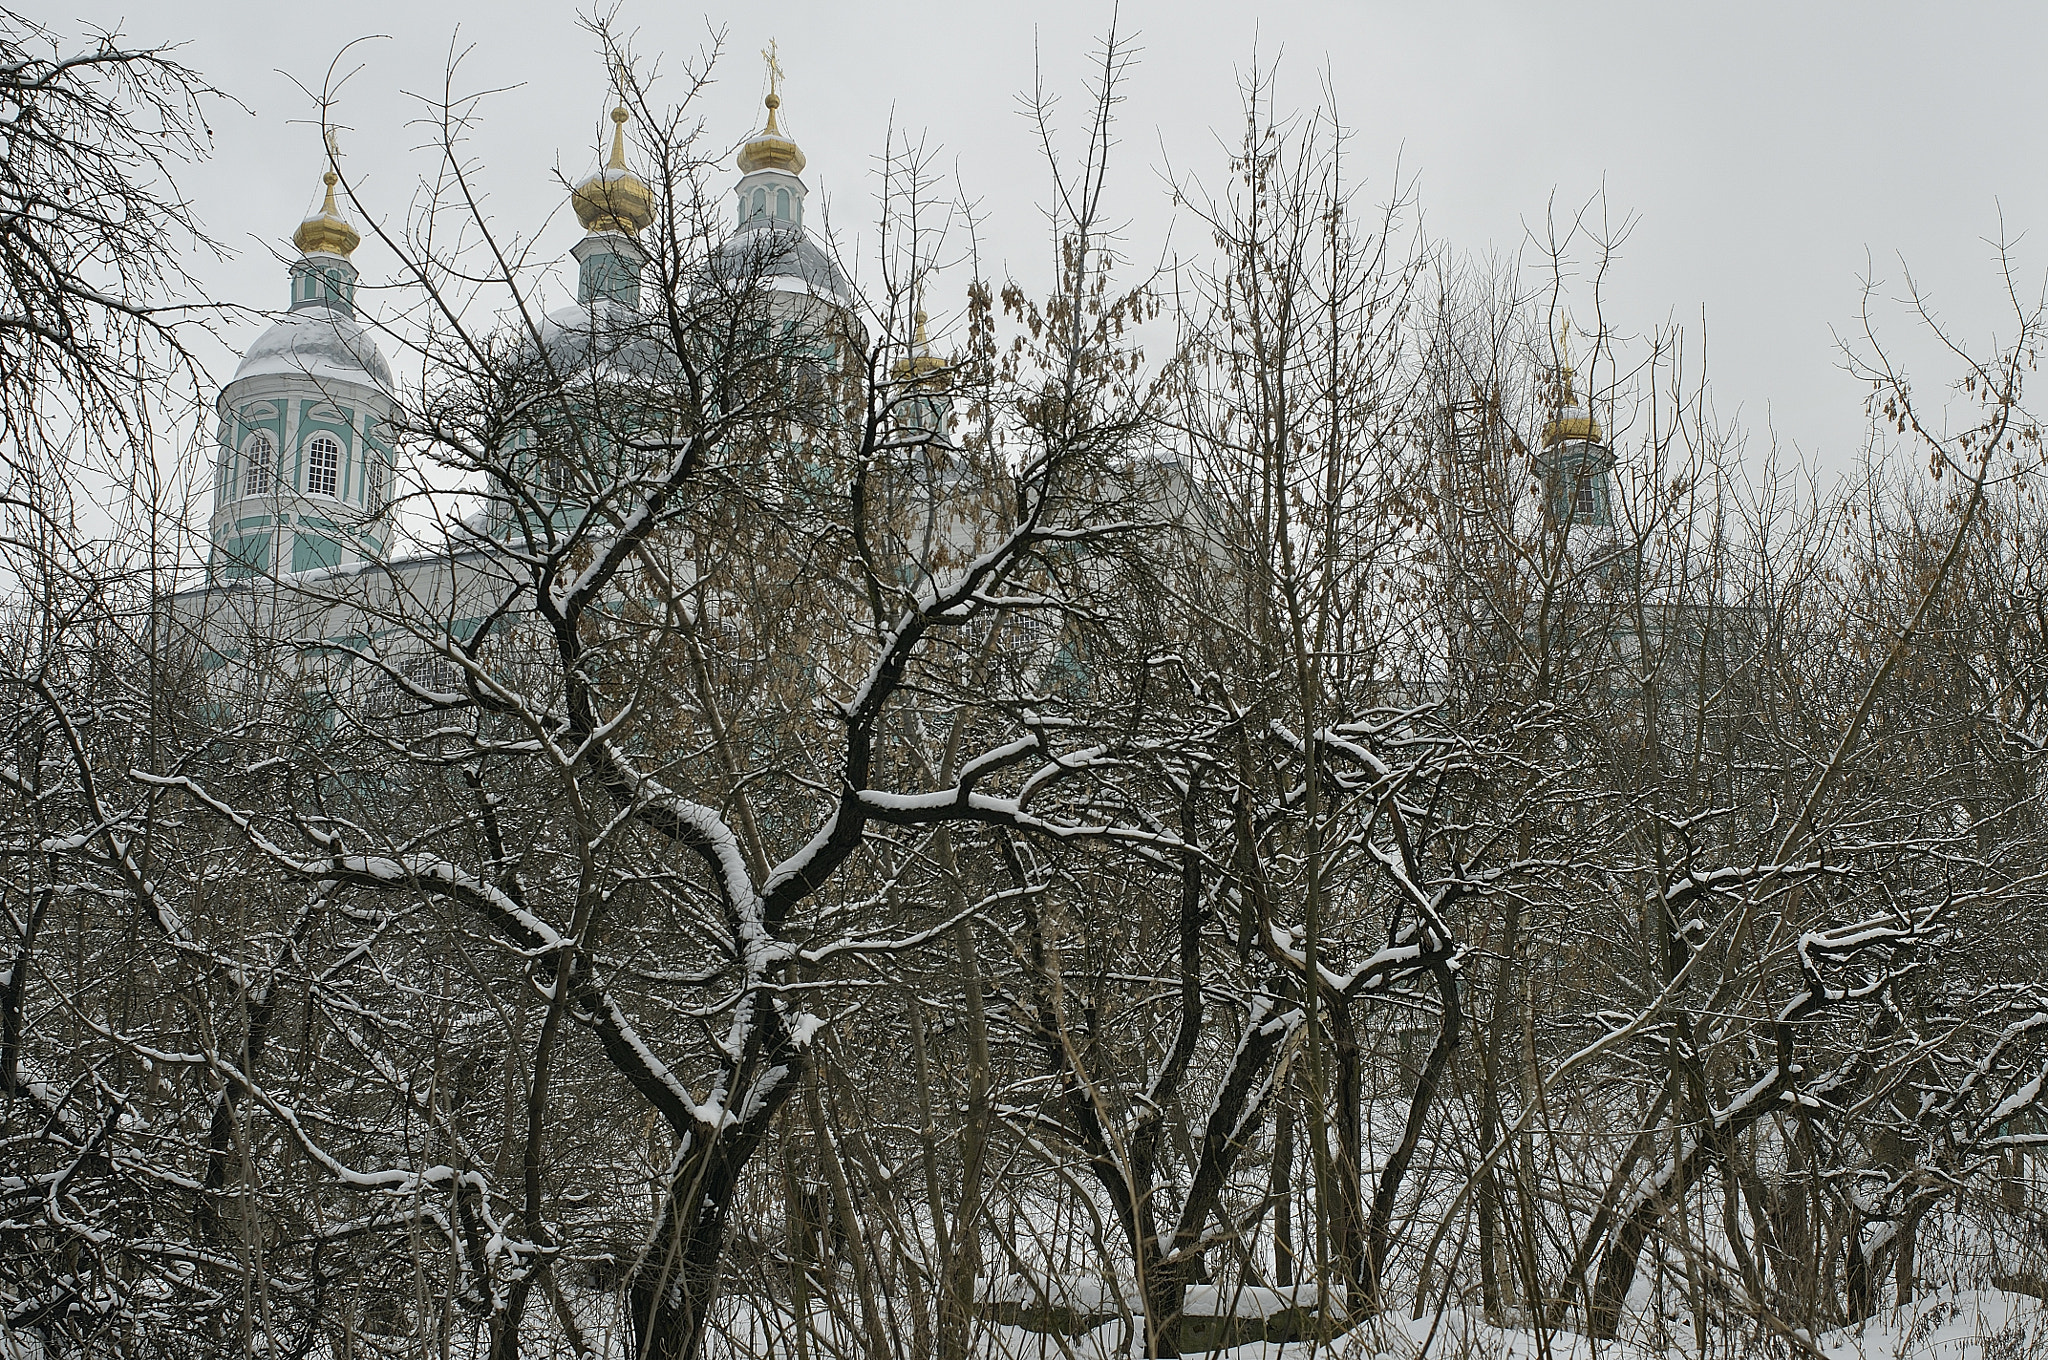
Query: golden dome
[[921, 362], [614, 199], [771, 150], [1572, 422], [327, 232]]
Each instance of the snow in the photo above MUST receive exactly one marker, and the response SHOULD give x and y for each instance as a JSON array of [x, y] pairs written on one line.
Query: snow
[[1982, 1324], [1987, 1324], [1247, 1301], [318, 343]]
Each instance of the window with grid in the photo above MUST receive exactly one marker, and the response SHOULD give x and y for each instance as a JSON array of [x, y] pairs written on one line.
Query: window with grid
[[373, 481], [257, 457], [1587, 503], [323, 464]]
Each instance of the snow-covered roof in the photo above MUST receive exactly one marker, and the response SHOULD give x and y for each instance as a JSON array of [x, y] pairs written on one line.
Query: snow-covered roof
[[604, 335], [779, 255], [319, 343]]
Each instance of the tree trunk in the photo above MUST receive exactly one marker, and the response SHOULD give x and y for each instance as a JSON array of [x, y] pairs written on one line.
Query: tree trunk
[[1904, 1268], [1857, 1276], [1165, 1289], [848, 1219], [963, 1262], [1395, 1171], [1283, 1196], [1347, 1227], [1618, 1263], [673, 1287], [256, 1011], [1497, 1029]]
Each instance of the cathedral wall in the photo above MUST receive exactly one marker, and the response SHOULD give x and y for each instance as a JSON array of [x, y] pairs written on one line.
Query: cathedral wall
[[319, 502]]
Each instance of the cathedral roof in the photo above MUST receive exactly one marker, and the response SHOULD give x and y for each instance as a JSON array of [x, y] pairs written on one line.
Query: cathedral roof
[[779, 256], [319, 343], [604, 336]]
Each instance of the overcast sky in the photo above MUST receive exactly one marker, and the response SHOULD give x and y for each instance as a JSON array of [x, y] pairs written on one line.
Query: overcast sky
[[1769, 153]]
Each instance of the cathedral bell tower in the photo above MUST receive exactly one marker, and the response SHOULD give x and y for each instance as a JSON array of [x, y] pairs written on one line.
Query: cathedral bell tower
[[1572, 459], [303, 465], [771, 190], [771, 246]]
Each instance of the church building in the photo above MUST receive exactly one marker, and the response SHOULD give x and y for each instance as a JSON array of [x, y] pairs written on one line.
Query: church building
[[301, 540]]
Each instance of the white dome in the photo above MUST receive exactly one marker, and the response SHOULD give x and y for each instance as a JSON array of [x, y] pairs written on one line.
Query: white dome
[[763, 253], [318, 343], [604, 335]]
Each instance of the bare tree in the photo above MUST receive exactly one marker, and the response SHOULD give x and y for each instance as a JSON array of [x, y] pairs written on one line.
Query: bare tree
[[871, 820]]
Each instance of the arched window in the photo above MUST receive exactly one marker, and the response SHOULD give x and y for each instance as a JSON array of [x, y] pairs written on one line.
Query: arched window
[[782, 204], [760, 202], [258, 456], [373, 481], [323, 464]]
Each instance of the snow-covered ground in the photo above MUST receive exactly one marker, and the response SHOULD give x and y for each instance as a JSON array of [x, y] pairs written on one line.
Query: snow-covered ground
[[1975, 1325]]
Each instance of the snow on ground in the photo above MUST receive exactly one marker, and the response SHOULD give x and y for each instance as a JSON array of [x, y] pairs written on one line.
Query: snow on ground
[[1973, 1325], [1981, 1324]]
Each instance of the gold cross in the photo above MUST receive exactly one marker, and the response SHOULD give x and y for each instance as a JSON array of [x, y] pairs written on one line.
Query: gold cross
[[1564, 357], [774, 68], [333, 148]]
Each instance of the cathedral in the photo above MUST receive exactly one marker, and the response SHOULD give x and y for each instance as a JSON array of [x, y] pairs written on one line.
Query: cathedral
[[301, 534], [301, 540], [304, 452]]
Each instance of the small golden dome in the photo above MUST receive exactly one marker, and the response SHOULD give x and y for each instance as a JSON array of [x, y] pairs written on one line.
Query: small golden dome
[[1570, 424], [614, 199], [921, 362], [327, 232], [771, 150]]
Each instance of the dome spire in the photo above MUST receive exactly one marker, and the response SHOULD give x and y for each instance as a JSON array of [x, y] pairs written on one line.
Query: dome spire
[[327, 232], [619, 117], [772, 150], [1564, 356], [618, 160], [774, 99], [920, 363], [1572, 422], [615, 199]]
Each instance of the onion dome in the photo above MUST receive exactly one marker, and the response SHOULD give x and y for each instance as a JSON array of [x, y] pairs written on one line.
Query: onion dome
[[1572, 423], [771, 150], [319, 337], [614, 199], [327, 232]]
